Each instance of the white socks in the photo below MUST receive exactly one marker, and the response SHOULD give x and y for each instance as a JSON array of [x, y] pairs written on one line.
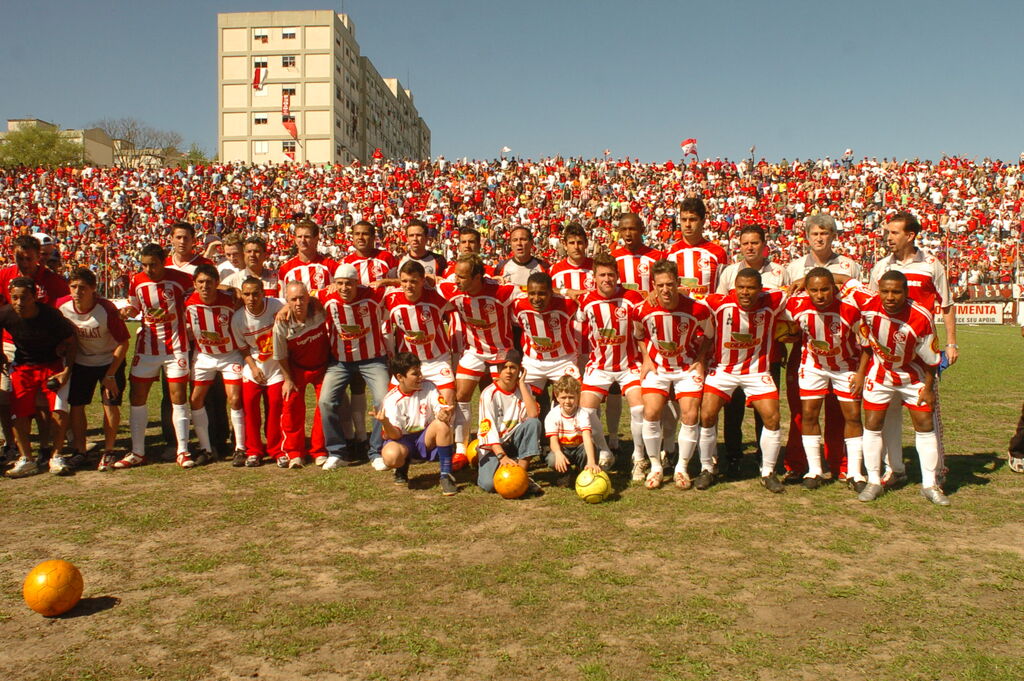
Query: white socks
[[928, 452], [238, 426], [636, 427], [651, 431], [596, 429], [812, 448], [461, 419], [138, 419], [708, 446], [892, 437], [769, 441], [202, 424], [854, 457], [873, 455], [687, 442], [180, 419], [669, 420]]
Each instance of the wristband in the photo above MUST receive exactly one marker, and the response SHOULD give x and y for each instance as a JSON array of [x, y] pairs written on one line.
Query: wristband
[[952, 345]]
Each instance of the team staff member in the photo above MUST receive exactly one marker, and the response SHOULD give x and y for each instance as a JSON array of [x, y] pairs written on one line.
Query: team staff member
[[517, 268], [44, 352], [102, 347], [254, 254]]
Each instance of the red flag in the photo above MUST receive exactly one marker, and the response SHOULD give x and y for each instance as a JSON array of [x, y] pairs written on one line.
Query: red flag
[[689, 146], [259, 77], [378, 154], [290, 154], [290, 127]]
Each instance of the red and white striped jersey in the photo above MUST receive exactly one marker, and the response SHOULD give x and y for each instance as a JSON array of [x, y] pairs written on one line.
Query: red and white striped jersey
[[744, 339], [485, 316], [304, 345], [419, 326], [373, 267], [830, 336], [210, 323], [610, 326], [773, 275], [699, 266], [188, 268], [567, 274], [357, 327], [926, 279], [837, 264], [315, 274], [635, 268], [673, 337], [254, 334], [902, 345], [449, 272], [549, 334], [162, 303]]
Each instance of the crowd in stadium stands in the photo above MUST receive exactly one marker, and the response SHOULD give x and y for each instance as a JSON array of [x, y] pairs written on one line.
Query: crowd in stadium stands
[[971, 211]]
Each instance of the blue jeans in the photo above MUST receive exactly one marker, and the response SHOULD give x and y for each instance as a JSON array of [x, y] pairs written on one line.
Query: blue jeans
[[339, 375], [522, 443]]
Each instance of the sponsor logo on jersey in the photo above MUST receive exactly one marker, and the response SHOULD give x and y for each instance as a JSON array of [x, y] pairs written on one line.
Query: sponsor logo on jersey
[[610, 337], [413, 337], [482, 324], [669, 348], [544, 343], [741, 341], [351, 332], [212, 338], [485, 427], [820, 347]]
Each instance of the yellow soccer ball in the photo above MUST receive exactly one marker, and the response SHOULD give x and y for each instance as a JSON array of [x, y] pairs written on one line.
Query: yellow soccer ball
[[593, 488]]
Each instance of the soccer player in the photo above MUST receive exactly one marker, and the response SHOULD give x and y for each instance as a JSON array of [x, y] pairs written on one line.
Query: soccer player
[[44, 352], [416, 421], [469, 244], [568, 430], [416, 315], [678, 332], [309, 266], [182, 256], [302, 351], [356, 322], [252, 326], [158, 293], [547, 323], [831, 363], [929, 288], [234, 260], [510, 427], [698, 260], [821, 233], [254, 255], [371, 263], [416, 239], [573, 276], [103, 342], [744, 319], [484, 310], [633, 258], [208, 312], [518, 267], [904, 358], [609, 320]]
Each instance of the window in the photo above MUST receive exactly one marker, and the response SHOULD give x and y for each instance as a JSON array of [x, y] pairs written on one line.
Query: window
[[261, 93], [287, 119], [288, 61], [288, 34], [259, 63], [260, 35], [288, 90], [260, 148], [337, 93], [337, 123], [288, 145], [259, 119]]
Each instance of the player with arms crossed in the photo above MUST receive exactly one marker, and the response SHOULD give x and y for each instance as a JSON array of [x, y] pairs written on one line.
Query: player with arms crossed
[[745, 319], [678, 332]]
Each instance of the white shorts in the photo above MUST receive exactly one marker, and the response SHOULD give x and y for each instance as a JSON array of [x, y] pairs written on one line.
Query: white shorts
[[815, 383], [439, 372], [5, 377], [147, 367], [540, 371], [61, 402], [756, 386], [599, 380], [877, 396], [684, 383], [208, 366], [474, 367]]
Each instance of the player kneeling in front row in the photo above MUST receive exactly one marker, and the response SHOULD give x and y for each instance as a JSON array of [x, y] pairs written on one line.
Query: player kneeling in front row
[[568, 429], [510, 428], [416, 423], [904, 358]]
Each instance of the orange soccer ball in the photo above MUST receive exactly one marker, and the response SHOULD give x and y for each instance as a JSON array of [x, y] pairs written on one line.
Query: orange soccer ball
[[471, 452], [53, 587], [511, 481]]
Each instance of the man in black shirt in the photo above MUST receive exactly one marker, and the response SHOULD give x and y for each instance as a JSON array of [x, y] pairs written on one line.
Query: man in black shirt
[[44, 352]]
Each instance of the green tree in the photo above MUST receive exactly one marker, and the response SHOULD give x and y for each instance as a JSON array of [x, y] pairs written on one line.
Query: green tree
[[196, 156], [38, 146]]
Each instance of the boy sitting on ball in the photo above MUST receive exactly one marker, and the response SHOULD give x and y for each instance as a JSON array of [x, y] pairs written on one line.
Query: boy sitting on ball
[[568, 431], [415, 422], [509, 431]]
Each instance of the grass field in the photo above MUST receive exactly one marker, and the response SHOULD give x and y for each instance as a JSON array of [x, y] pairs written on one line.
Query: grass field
[[222, 573]]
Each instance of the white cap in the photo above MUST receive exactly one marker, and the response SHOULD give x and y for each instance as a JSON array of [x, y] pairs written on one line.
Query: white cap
[[44, 239], [346, 271]]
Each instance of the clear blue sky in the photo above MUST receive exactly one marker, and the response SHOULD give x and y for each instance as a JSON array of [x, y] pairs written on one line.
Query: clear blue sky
[[796, 78]]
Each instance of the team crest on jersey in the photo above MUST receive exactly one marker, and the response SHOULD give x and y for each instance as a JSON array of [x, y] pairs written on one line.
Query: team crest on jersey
[[758, 317], [643, 268], [835, 328], [620, 313], [487, 309], [318, 279], [362, 311], [223, 319], [900, 336], [424, 315]]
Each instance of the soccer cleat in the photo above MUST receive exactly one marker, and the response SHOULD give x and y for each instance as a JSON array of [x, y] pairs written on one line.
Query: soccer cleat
[[682, 480], [185, 460], [772, 484], [282, 461], [704, 480], [871, 492], [23, 468], [856, 484], [792, 478], [813, 482], [448, 486], [253, 461], [1015, 463], [332, 463], [606, 460], [321, 460], [107, 461], [894, 480], [203, 458], [130, 460], [935, 495], [296, 463], [379, 465], [238, 458], [640, 469], [402, 474], [59, 465]]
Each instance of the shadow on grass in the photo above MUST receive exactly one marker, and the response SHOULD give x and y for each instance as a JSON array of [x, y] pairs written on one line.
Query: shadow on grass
[[91, 606], [971, 469]]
